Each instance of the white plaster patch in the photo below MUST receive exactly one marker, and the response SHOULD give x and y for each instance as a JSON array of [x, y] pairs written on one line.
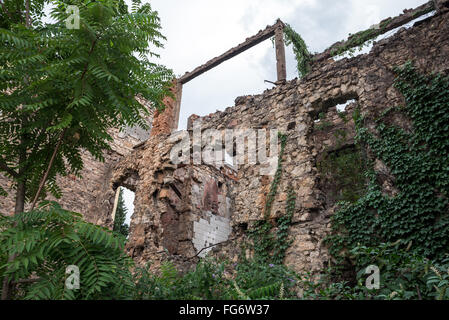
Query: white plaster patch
[[208, 233]]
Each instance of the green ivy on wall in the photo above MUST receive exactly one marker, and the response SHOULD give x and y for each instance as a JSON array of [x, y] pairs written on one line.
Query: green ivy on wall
[[419, 162], [342, 172], [270, 247], [366, 37]]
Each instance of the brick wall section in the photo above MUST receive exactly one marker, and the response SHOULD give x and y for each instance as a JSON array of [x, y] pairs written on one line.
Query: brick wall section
[[164, 121], [169, 201]]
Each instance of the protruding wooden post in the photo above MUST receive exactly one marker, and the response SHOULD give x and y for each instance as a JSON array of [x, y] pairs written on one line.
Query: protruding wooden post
[[280, 53]]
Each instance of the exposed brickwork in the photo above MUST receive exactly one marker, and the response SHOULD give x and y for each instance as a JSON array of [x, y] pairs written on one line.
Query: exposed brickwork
[[169, 200], [164, 121]]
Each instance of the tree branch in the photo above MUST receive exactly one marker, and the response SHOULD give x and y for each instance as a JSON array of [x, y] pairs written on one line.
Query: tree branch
[[4, 167], [87, 63], [24, 281], [50, 165], [212, 245]]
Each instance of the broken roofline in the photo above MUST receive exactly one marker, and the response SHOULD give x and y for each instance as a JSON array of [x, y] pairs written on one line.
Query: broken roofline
[[388, 25]]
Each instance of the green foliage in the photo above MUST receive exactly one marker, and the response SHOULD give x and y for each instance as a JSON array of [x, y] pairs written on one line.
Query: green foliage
[[270, 247], [357, 42], [46, 241], [259, 280], [211, 279], [404, 275], [419, 161], [361, 39], [343, 172], [11, 12], [302, 54], [323, 124], [205, 281], [366, 37], [73, 85], [120, 216], [277, 178]]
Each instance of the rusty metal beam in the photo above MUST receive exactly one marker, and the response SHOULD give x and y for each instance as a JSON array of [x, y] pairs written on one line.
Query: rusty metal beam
[[249, 43]]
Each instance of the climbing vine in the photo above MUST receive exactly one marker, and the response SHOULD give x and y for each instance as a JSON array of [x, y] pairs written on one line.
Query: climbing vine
[[342, 173], [277, 178], [359, 40], [418, 158], [302, 54], [271, 247], [366, 37]]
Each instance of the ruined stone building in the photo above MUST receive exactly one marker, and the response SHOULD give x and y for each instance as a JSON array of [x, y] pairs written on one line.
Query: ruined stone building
[[183, 211]]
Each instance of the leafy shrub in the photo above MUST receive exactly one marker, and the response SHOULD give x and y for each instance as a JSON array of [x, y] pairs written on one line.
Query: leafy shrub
[[44, 242], [205, 281], [404, 275], [211, 279]]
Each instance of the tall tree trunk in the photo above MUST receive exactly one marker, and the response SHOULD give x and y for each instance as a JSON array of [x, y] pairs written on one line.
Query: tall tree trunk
[[19, 208], [20, 198]]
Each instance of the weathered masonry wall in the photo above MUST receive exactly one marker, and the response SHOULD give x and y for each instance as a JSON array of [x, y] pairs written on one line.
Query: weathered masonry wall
[[183, 211], [173, 215], [179, 210]]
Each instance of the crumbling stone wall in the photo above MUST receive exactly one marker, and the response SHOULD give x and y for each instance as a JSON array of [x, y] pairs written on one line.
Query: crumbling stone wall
[[165, 220], [181, 210]]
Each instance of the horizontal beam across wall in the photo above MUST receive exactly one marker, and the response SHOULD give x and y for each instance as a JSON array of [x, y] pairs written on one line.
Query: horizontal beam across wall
[[249, 43], [383, 27]]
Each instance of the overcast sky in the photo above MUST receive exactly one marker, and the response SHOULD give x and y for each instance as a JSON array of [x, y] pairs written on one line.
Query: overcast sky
[[198, 30]]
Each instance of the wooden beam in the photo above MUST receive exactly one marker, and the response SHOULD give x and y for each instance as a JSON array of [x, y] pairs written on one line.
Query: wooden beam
[[249, 43], [280, 54], [383, 27]]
